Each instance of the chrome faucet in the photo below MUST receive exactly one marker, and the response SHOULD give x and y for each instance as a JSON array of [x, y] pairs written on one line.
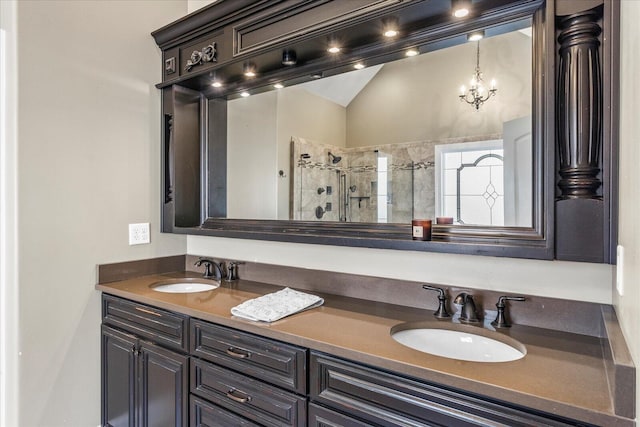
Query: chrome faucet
[[208, 265], [468, 313]]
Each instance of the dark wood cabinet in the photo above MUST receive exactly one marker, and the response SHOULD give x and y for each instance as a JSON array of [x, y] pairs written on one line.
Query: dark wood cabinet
[[118, 378], [252, 377], [229, 377], [143, 383], [162, 386], [360, 395]]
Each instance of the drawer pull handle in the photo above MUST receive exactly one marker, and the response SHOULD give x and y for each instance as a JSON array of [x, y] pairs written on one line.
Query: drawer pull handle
[[148, 311], [238, 353], [238, 396]]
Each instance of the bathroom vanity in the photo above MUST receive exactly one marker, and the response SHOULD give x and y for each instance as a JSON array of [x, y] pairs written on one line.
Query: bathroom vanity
[[184, 360]]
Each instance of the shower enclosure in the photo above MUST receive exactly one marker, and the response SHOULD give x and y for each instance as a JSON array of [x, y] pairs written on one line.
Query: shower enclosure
[[368, 184]]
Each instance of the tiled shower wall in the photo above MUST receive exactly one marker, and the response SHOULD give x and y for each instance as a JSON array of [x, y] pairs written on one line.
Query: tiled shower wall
[[410, 181]]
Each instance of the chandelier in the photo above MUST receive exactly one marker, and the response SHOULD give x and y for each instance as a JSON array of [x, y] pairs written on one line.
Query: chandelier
[[477, 94]]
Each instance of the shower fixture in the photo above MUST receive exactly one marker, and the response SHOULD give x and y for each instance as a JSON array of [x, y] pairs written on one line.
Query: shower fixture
[[334, 159], [305, 156]]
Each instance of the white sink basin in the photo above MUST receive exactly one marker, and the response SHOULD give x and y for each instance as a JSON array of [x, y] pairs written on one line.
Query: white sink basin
[[458, 343], [184, 286]]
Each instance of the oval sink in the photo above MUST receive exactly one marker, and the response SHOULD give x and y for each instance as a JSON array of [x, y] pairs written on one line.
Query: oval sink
[[453, 342], [184, 286]]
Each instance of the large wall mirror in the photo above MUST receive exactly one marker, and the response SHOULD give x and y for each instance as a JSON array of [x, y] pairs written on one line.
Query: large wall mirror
[[348, 149], [394, 141]]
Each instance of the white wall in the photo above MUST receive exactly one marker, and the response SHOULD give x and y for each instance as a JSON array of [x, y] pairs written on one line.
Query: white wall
[[88, 164], [8, 218], [416, 99], [628, 306], [252, 164]]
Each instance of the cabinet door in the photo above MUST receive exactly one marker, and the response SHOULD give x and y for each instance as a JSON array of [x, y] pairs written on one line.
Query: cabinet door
[[163, 387], [118, 378]]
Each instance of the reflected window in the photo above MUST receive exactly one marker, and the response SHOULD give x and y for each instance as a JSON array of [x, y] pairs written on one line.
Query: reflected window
[[471, 182]]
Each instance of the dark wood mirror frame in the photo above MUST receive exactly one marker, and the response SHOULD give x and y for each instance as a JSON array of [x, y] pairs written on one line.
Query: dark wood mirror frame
[[575, 196]]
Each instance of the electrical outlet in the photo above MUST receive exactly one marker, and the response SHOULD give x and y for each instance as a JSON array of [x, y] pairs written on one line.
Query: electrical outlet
[[620, 270], [139, 234]]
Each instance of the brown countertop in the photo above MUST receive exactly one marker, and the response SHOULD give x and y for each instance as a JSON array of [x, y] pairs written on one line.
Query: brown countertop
[[562, 374]]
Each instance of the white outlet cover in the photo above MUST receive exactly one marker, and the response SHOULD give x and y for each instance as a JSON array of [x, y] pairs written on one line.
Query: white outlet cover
[[139, 234]]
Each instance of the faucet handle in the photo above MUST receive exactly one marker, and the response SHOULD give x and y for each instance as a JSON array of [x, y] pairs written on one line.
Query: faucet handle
[[441, 312], [232, 268], [502, 320]]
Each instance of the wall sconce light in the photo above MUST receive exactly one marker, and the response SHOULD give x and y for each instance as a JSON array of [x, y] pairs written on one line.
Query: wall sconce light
[[249, 69], [460, 8], [477, 94], [289, 57]]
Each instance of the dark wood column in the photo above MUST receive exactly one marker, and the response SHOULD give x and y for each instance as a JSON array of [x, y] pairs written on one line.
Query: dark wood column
[[580, 106], [582, 219]]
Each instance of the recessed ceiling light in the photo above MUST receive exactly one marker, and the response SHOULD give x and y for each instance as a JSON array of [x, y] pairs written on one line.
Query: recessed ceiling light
[[289, 58], [278, 85], [334, 49], [460, 8], [217, 83], [475, 36], [245, 94], [358, 66], [390, 26], [411, 52], [249, 69]]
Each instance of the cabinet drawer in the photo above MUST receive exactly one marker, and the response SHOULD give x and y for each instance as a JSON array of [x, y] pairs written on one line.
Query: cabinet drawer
[[385, 399], [323, 417], [160, 326], [204, 414], [277, 363], [255, 400]]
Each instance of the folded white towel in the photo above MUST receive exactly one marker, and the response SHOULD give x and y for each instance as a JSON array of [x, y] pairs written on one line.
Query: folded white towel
[[275, 306]]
